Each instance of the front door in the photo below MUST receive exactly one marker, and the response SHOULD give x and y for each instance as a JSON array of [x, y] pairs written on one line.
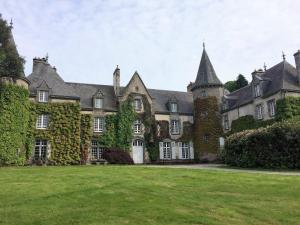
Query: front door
[[138, 151]]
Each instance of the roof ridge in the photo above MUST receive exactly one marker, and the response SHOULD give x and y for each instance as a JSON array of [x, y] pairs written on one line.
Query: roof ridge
[[154, 89]]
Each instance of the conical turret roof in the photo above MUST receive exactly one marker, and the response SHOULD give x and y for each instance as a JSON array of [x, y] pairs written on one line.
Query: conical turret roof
[[206, 75]]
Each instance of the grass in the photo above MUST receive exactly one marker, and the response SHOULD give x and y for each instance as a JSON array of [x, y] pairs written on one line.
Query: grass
[[140, 195]]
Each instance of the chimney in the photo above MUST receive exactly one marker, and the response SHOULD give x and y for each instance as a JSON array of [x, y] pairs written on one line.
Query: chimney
[[116, 81], [258, 72], [297, 62], [37, 63]]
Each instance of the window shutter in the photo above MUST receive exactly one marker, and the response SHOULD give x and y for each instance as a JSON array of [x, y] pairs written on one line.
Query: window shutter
[[191, 150], [180, 150], [173, 146], [161, 153]]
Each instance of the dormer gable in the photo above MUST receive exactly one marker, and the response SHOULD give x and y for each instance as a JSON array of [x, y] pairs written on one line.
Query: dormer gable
[[98, 100], [172, 105]]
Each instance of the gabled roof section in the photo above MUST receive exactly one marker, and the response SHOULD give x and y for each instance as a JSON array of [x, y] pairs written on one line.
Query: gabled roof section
[[44, 73], [206, 75]]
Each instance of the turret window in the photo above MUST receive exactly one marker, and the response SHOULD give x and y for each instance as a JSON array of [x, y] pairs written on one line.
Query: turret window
[[175, 127]]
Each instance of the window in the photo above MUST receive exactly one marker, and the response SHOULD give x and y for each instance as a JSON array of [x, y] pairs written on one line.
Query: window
[[225, 105], [137, 143], [226, 122], [137, 104], [98, 124], [256, 90], [43, 96], [185, 150], [97, 151], [167, 150], [259, 112], [175, 127], [98, 103], [206, 137], [42, 122], [174, 107], [40, 150], [271, 107], [203, 93], [137, 127]]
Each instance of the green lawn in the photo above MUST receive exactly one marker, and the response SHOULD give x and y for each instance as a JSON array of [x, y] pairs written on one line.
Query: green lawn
[[139, 195]]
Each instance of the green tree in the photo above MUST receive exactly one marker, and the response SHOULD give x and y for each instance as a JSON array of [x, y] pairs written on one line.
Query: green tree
[[240, 82], [11, 64], [230, 86]]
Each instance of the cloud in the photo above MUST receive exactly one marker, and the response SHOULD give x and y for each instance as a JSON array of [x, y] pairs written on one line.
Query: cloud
[[162, 40]]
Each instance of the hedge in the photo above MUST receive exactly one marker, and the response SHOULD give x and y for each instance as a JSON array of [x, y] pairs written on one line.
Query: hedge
[[117, 156], [276, 146]]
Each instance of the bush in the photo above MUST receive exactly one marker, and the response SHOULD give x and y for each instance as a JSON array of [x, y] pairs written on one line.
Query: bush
[[117, 156], [276, 146]]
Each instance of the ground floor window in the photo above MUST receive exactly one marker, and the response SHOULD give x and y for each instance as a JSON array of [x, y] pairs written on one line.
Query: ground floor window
[[97, 151], [40, 150], [185, 150], [167, 150]]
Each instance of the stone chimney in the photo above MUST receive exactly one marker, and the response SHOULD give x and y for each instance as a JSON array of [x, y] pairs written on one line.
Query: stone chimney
[[297, 62], [116, 81]]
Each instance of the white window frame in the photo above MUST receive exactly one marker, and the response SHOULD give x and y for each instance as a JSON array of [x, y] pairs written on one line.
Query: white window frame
[[98, 103], [137, 126], [257, 91], [174, 107], [96, 150], [42, 121], [40, 150], [175, 128], [167, 151], [138, 143], [226, 122], [99, 124], [43, 96], [271, 108], [185, 150], [259, 111], [137, 103]]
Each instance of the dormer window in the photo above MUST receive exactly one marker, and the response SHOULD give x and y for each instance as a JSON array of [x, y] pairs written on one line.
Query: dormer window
[[137, 104], [174, 107], [257, 91], [43, 96], [98, 103]]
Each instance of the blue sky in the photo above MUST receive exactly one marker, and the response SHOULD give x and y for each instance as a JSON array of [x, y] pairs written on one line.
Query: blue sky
[[162, 40]]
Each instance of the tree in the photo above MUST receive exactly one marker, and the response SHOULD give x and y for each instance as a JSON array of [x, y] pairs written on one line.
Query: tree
[[11, 64], [240, 82]]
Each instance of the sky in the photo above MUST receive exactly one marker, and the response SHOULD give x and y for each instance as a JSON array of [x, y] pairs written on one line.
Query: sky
[[162, 40]]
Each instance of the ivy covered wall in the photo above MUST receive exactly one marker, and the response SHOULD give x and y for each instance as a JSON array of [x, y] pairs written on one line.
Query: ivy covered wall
[[63, 132], [287, 108], [14, 117], [207, 127]]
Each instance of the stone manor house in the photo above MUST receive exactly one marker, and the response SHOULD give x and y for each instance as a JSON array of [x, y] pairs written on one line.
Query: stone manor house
[[174, 107], [257, 99]]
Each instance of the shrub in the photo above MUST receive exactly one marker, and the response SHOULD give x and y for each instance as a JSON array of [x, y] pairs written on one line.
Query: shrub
[[276, 146], [117, 156]]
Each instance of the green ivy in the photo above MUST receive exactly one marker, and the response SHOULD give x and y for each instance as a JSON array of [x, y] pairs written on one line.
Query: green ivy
[[63, 131], [118, 128], [287, 108], [85, 136], [14, 117]]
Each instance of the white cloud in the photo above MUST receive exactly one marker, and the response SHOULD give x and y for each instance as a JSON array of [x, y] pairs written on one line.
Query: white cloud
[[160, 39]]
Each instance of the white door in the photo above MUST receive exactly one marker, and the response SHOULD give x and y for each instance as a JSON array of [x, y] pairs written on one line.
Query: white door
[[137, 151]]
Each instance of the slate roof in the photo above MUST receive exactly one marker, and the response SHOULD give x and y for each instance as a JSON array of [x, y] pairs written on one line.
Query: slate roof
[[45, 75], [206, 75], [282, 76], [160, 98]]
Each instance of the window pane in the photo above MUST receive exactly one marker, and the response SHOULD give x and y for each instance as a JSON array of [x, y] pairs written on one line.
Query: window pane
[[99, 103]]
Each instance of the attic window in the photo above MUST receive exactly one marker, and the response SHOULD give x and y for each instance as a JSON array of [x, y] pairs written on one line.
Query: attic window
[[98, 103], [257, 92], [43, 96], [137, 104], [174, 107]]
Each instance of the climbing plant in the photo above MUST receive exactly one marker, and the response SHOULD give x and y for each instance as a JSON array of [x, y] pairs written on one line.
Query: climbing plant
[[85, 136], [63, 132], [14, 117]]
